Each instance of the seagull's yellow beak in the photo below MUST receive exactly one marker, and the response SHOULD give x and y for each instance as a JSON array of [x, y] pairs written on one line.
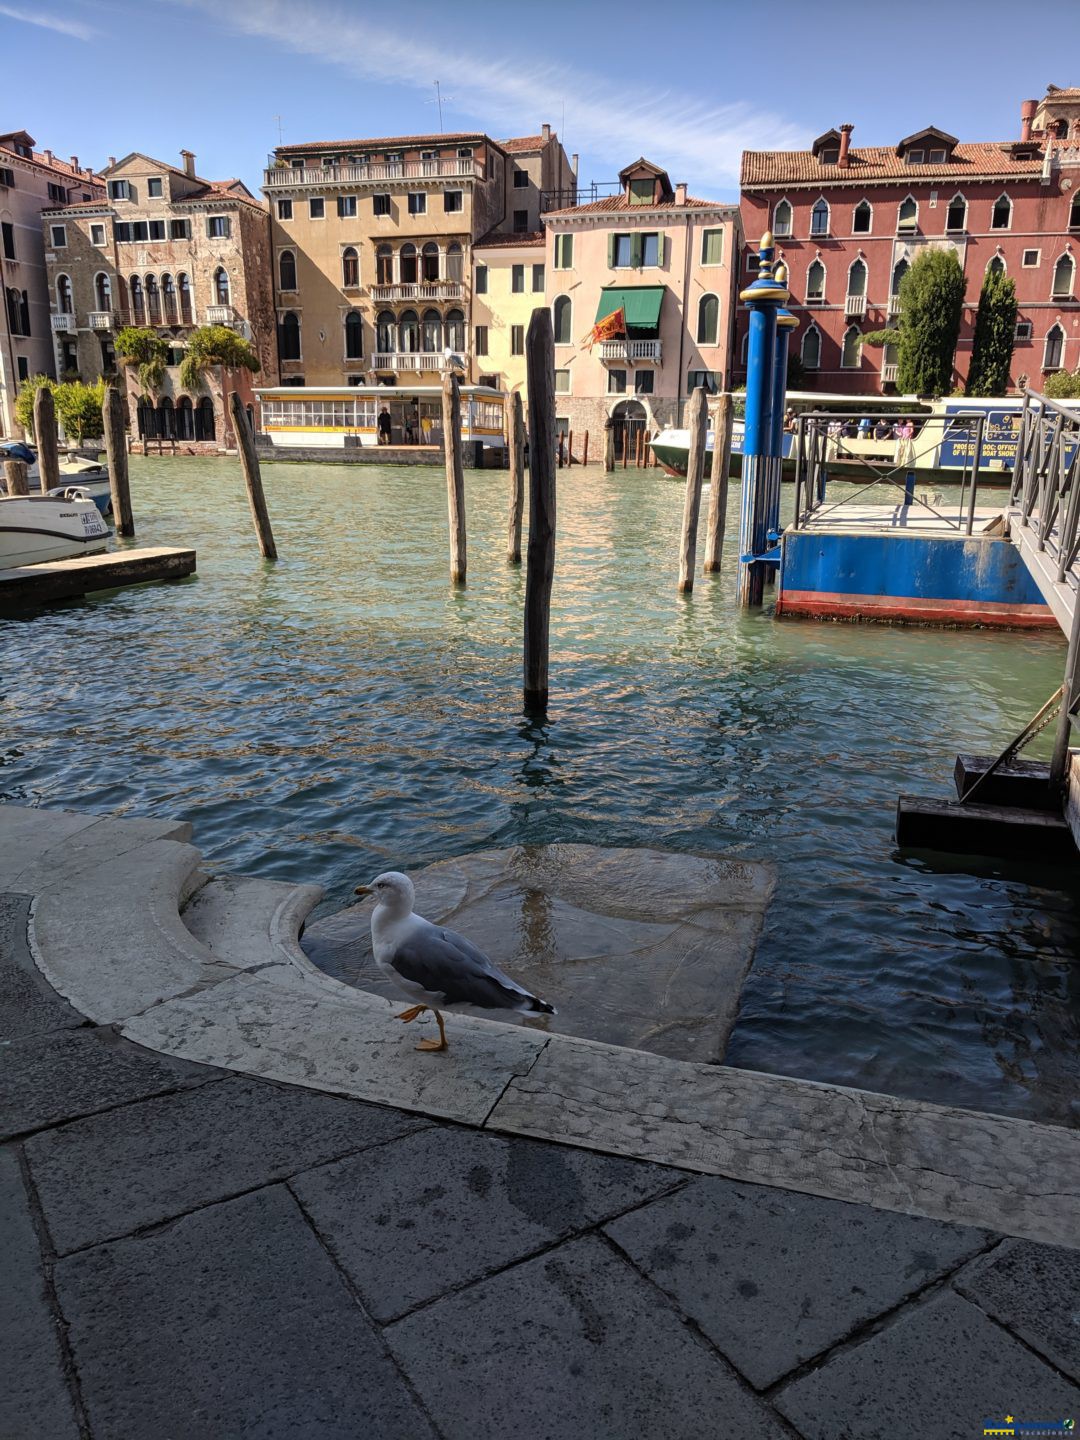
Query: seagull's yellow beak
[[363, 890]]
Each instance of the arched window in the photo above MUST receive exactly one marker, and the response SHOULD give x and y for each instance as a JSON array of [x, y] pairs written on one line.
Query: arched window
[[430, 263], [810, 349], [956, 214], [287, 270], [781, 222], [996, 266], [63, 295], [819, 217], [862, 218], [851, 351], [408, 265], [204, 419], [1053, 348], [185, 419], [744, 349], [1064, 274], [166, 418], [561, 319], [138, 311], [183, 286], [455, 331], [385, 332], [431, 332], [350, 268], [900, 269], [221, 286], [103, 291], [856, 278], [289, 336], [354, 336], [409, 329], [1001, 215], [153, 300], [907, 214], [815, 282], [1074, 212], [455, 263], [708, 319], [168, 299], [384, 265]]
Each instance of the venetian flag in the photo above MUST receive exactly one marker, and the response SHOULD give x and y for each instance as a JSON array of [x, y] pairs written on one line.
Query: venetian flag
[[607, 329]]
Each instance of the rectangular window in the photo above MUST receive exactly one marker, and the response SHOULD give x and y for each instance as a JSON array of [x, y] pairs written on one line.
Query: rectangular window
[[915, 157], [621, 247], [219, 227], [453, 202], [517, 339], [753, 261], [1031, 259], [284, 209], [521, 179], [517, 280], [7, 177], [481, 279], [417, 202], [562, 382], [708, 379], [521, 222], [643, 382], [564, 252], [465, 152], [538, 279], [937, 157], [157, 229], [642, 192], [24, 367], [380, 204], [153, 188], [58, 236], [346, 207], [650, 249], [712, 247], [481, 340], [140, 230], [179, 229], [58, 194], [7, 230], [616, 382], [97, 234], [1023, 330], [119, 190], [122, 231], [316, 209]]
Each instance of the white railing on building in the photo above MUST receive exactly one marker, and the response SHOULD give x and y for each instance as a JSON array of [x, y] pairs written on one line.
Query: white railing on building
[[408, 360], [220, 315], [62, 323], [100, 319], [283, 176], [424, 290], [894, 304], [889, 374], [854, 305], [817, 298], [630, 350]]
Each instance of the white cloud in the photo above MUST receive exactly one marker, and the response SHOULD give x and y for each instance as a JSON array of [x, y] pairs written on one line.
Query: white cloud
[[75, 28], [695, 140]]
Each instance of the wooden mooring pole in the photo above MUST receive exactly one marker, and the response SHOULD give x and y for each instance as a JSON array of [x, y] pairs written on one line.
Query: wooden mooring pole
[[695, 475], [249, 462], [609, 444], [585, 449], [15, 477], [516, 443], [718, 495], [112, 415], [48, 455], [455, 476], [540, 372]]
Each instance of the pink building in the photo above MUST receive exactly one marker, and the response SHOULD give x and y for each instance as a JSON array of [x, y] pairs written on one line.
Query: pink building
[[849, 221], [668, 262]]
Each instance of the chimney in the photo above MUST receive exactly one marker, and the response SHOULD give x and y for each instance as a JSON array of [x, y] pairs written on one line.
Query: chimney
[[189, 163], [680, 193], [74, 162], [845, 143], [574, 164], [48, 156], [545, 133], [112, 161], [1027, 115]]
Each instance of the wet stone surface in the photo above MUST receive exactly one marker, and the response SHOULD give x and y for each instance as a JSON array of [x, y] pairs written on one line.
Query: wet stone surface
[[644, 948]]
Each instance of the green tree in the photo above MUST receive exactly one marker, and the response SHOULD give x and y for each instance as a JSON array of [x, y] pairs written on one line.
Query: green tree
[[216, 346], [78, 408], [1062, 385], [995, 333], [24, 401], [931, 303], [144, 348]]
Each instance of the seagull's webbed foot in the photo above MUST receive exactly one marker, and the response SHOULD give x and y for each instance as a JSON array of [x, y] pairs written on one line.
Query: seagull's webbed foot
[[439, 1044], [409, 1015]]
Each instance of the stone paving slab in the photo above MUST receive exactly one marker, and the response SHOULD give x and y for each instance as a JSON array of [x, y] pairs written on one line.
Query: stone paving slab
[[1035, 1291], [34, 1396], [107, 838], [47, 1079], [28, 1003], [774, 1278], [114, 1173], [939, 1370], [460, 1204], [229, 1324], [571, 1344], [26, 833]]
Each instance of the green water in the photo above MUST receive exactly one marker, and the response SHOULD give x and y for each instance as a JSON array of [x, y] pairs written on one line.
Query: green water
[[343, 712]]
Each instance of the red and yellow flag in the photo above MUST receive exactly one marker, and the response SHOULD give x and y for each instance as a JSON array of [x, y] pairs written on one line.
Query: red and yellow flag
[[609, 328]]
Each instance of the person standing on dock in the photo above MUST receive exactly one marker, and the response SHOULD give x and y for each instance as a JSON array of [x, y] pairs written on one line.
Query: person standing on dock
[[384, 426]]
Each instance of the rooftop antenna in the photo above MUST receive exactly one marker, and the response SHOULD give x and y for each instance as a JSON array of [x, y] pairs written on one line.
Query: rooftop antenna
[[439, 98], [279, 136]]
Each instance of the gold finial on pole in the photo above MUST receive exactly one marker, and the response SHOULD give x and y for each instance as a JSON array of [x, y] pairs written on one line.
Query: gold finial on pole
[[767, 240], [780, 274]]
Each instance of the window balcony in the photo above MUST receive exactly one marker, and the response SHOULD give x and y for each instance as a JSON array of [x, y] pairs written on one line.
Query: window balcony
[[220, 315], [894, 304], [420, 360], [425, 290], [889, 374], [817, 298], [100, 319], [282, 177], [854, 305], [63, 324], [630, 350]]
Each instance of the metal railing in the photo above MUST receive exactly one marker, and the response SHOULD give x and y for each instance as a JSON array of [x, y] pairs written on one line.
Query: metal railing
[[284, 176]]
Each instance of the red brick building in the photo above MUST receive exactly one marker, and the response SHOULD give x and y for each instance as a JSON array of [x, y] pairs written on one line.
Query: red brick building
[[849, 221]]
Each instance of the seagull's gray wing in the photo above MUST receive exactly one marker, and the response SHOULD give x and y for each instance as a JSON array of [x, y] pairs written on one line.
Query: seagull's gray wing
[[445, 963]]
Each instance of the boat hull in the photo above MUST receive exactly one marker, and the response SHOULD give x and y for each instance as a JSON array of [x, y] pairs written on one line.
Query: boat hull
[[36, 529]]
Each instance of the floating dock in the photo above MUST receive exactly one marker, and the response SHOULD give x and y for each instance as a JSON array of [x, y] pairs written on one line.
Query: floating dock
[[29, 586]]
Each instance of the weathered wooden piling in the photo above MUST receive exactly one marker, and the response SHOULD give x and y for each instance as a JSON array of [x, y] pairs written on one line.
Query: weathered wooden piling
[[455, 477], [585, 449], [609, 444], [15, 477], [718, 495], [112, 414], [48, 455], [249, 462], [695, 475], [540, 373], [516, 446]]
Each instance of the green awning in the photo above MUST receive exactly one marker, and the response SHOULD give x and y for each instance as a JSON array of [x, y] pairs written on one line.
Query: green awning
[[641, 303]]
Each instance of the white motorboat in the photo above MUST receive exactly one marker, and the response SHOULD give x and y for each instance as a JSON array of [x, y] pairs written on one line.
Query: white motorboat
[[38, 528], [82, 474]]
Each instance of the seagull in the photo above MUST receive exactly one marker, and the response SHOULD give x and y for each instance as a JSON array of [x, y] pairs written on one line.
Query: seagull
[[438, 968]]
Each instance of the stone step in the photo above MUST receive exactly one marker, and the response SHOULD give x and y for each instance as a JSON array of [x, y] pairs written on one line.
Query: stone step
[[249, 922]]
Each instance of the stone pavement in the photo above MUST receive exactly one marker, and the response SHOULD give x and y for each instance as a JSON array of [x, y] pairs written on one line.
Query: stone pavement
[[193, 1254]]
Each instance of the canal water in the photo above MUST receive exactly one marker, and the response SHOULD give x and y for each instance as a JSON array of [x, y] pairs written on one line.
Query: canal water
[[344, 712]]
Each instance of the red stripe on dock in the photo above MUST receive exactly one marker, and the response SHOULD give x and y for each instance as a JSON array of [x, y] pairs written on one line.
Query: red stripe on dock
[[822, 604]]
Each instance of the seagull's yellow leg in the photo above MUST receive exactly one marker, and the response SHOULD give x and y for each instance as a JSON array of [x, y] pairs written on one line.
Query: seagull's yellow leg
[[408, 1015], [439, 1044]]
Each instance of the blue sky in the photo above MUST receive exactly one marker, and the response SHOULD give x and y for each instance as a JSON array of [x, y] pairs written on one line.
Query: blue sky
[[688, 84]]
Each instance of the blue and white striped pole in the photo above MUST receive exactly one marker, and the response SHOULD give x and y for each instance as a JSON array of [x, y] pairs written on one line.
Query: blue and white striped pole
[[764, 298]]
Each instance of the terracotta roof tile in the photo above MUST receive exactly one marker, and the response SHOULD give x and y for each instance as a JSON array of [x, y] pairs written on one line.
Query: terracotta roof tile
[[503, 240], [620, 202], [992, 159], [57, 166], [523, 142], [383, 142]]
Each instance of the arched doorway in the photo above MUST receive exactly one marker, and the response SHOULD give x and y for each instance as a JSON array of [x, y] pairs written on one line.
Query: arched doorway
[[629, 419], [166, 418], [204, 419], [185, 419]]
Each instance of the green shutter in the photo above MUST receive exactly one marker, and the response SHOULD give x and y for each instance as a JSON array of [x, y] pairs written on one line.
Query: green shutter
[[611, 251], [660, 248], [635, 251]]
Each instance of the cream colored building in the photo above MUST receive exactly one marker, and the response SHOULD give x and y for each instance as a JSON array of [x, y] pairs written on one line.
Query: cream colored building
[[508, 285]]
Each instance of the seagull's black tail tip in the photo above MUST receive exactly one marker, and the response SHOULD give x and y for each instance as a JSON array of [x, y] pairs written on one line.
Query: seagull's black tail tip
[[540, 1007]]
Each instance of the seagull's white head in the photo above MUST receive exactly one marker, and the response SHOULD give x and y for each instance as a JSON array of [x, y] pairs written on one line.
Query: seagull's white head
[[392, 890]]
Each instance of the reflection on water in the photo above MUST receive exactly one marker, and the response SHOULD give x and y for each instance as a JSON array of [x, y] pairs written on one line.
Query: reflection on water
[[344, 712]]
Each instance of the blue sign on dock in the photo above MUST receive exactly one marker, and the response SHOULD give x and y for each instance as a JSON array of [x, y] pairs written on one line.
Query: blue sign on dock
[[1000, 435]]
